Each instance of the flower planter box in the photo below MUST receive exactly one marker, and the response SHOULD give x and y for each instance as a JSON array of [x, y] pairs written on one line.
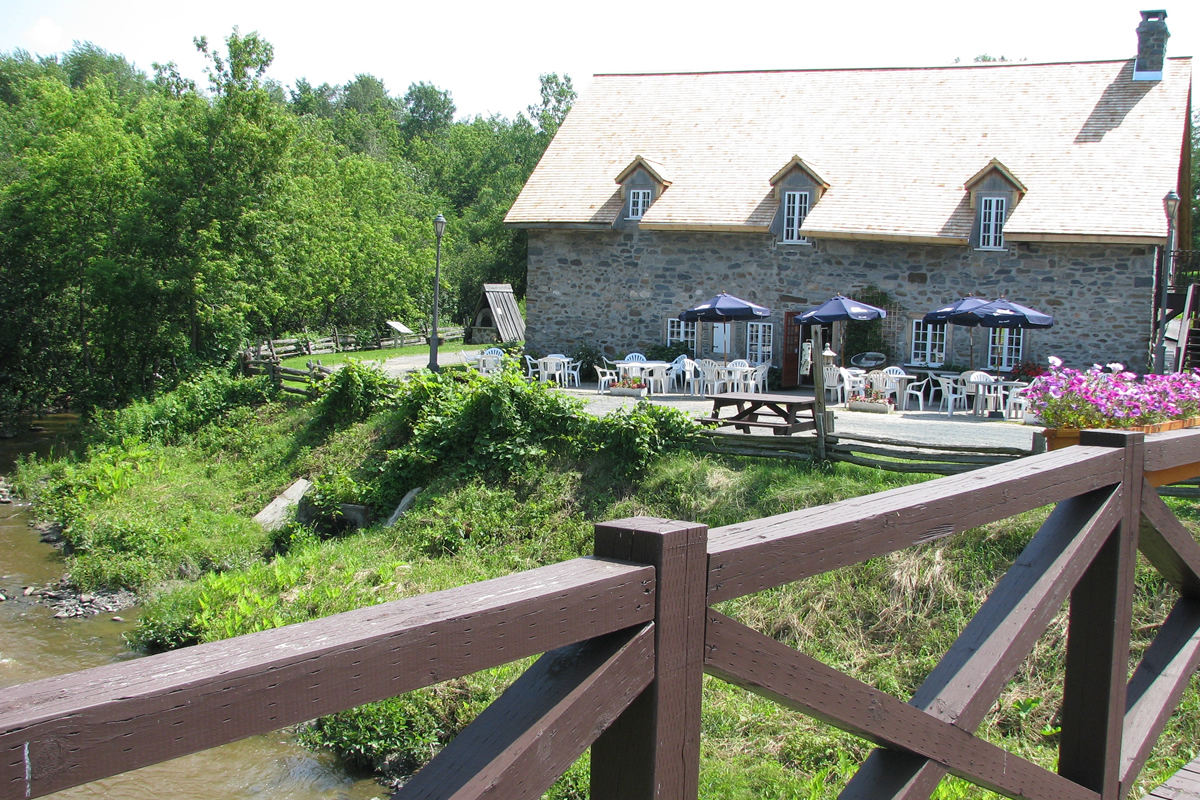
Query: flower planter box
[[624, 392], [1057, 438], [869, 407]]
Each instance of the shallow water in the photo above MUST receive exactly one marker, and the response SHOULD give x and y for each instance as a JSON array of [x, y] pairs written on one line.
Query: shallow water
[[33, 645]]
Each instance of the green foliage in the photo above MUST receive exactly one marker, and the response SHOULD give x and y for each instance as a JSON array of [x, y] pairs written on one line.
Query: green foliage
[[631, 439], [181, 412], [352, 394], [867, 337], [668, 352]]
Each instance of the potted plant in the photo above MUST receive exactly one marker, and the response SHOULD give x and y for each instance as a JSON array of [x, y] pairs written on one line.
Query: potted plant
[[873, 402], [629, 387], [1069, 400]]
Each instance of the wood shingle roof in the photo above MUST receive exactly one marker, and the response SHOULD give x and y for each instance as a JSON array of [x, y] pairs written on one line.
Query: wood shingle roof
[[1096, 150]]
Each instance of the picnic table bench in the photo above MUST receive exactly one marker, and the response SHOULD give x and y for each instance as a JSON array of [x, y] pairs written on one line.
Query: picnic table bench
[[784, 408]]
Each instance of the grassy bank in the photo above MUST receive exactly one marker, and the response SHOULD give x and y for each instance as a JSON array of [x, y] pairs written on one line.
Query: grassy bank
[[514, 476]]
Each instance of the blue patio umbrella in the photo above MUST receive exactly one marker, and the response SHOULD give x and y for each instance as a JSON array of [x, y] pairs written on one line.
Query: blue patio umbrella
[[944, 313], [839, 309], [1003, 313], [724, 308]]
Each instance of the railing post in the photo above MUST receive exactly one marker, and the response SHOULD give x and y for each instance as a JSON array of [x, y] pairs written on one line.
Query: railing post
[[652, 751], [1093, 710]]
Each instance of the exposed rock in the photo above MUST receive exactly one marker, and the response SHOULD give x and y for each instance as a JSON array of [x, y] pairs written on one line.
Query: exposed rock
[[276, 512], [67, 601], [404, 505]]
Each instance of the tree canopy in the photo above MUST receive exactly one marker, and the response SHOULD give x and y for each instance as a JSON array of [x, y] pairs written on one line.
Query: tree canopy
[[150, 227]]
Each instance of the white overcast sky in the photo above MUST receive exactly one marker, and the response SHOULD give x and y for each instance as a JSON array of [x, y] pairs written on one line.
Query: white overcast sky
[[489, 54]]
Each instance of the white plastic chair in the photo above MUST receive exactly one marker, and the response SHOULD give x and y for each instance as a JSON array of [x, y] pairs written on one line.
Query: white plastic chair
[[604, 378], [572, 371], [984, 388], [656, 378], [693, 378], [714, 380], [953, 394], [675, 374], [493, 351], [835, 383], [634, 357], [759, 381], [917, 390], [531, 368], [490, 365], [852, 383]]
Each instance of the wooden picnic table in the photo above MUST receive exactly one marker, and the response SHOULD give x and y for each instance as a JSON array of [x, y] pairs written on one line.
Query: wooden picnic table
[[784, 408]]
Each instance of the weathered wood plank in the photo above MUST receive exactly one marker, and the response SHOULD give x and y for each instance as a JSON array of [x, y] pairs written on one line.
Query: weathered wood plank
[[902, 466], [1098, 632], [1168, 545], [747, 658], [1172, 449], [652, 751], [1157, 685], [99, 722], [910, 445], [532, 733], [968, 679], [752, 556], [919, 455]]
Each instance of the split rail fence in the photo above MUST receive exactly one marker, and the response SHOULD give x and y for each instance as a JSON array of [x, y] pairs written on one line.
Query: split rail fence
[[628, 634], [341, 342]]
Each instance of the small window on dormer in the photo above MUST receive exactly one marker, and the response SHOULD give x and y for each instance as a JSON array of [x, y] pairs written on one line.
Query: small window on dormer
[[795, 209], [639, 201], [991, 223]]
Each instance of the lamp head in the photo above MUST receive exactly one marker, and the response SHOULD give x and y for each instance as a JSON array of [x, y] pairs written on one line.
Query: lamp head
[[439, 225], [1171, 204]]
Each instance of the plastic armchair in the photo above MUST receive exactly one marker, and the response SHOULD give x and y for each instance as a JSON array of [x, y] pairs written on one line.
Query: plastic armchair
[[714, 381], [953, 394], [675, 373], [656, 379], [531, 368], [983, 387], [852, 384], [604, 378], [634, 357], [917, 390], [758, 383], [693, 379], [490, 365], [493, 351], [835, 383], [571, 370]]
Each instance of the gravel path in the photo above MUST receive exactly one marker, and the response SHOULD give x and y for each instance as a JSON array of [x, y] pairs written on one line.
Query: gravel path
[[926, 427]]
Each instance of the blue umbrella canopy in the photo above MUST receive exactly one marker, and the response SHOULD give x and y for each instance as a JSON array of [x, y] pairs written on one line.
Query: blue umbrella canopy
[[839, 309], [724, 308], [947, 312], [1003, 314]]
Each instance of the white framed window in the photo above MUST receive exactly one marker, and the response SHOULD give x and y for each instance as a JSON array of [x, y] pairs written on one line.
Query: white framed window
[[795, 209], [680, 331], [639, 201], [991, 223], [1004, 348], [760, 338], [722, 337], [928, 344]]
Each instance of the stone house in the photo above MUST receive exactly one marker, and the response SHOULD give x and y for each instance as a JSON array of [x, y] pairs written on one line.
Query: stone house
[[1041, 183]]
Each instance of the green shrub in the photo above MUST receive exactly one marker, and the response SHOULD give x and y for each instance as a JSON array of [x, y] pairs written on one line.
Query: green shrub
[[630, 439], [170, 417], [353, 393]]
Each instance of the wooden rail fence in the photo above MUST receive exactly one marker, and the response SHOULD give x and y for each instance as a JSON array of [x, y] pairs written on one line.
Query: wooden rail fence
[[294, 381], [341, 342], [628, 634]]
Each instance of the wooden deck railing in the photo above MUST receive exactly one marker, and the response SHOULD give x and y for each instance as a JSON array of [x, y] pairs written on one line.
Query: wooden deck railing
[[629, 633]]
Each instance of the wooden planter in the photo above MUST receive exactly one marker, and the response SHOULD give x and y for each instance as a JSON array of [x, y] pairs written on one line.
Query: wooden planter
[[625, 392], [1057, 438], [869, 407]]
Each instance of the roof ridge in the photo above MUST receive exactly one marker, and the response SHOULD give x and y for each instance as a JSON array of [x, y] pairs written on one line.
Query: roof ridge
[[985, 65]]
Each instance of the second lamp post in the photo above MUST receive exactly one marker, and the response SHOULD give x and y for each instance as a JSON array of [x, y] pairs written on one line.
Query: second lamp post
[[439, 227]]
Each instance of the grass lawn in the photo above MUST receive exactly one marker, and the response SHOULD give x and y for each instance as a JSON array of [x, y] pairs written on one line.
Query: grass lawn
[[329, 359]]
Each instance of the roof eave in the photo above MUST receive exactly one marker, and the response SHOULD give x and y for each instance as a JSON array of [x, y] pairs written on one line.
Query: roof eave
[[1083, 238]]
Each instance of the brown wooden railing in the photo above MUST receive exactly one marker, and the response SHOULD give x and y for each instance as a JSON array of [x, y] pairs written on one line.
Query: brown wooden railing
[[627, 635]]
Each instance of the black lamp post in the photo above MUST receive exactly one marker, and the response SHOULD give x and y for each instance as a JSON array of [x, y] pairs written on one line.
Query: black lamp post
[[439, 227], [1170, 206]]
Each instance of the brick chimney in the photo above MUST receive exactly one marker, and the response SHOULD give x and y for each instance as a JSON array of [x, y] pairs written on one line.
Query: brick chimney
[[1152, 46]]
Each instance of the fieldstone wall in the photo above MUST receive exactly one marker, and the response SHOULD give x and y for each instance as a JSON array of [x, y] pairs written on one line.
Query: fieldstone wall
[[614, 290]]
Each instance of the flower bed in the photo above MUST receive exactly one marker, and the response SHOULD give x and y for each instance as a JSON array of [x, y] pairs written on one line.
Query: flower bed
[[630, 387], [1069, 400], [873, 402]]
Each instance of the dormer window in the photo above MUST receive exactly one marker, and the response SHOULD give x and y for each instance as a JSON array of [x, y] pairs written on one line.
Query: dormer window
[[795, 209], [994, 193], [639, 201], [798, 188], [991, 223]]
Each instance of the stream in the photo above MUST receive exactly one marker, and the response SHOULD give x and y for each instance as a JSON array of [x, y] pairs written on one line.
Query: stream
[[33, 644]]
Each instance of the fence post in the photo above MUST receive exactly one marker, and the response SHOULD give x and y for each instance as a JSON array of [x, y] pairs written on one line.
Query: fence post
[[1098, 632], [652, 751]]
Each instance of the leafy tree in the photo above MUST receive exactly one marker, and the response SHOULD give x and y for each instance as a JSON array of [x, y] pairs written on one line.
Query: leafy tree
[[557, 98], [320, 101], [428, 111]]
